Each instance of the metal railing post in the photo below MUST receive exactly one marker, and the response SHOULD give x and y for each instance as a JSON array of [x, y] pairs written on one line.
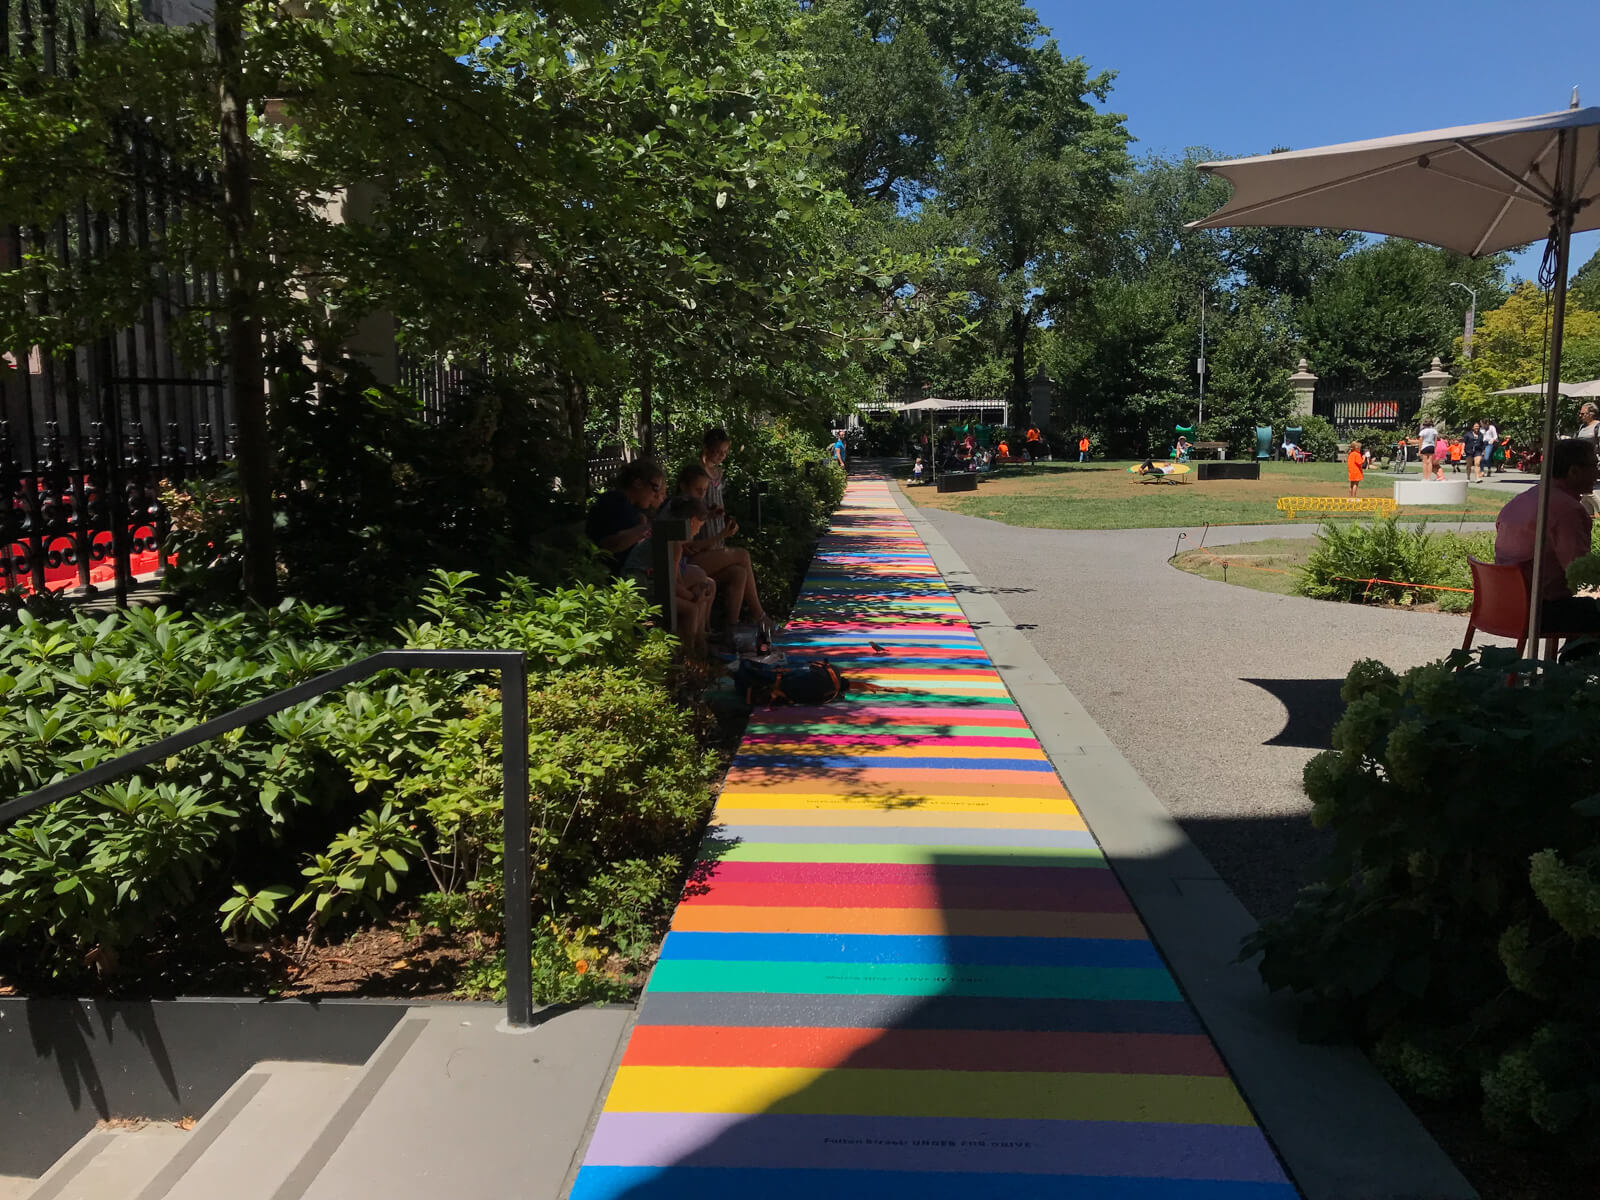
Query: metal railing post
[[666, 534], [519, 890]]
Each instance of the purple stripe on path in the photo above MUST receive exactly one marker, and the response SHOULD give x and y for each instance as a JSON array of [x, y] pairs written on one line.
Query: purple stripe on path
[[858, 1143]]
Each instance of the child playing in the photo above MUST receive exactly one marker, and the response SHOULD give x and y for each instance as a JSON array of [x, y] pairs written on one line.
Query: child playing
[[916, 470], [1352, 467]]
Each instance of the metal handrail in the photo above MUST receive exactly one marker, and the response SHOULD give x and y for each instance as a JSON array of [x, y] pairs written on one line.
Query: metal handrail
[[513, 668]]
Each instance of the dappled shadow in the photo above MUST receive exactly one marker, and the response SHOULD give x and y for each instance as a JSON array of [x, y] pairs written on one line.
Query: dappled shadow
[[1314, 708], [1028, 1040], [909, 973]]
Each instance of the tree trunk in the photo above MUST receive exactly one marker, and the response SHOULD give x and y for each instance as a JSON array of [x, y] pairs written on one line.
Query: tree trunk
[[647, 416], [577, 411], [1022, 397], [246, 373]]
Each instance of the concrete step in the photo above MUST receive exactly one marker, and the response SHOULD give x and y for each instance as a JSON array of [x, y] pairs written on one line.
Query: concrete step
[[461, 1107], [110, 1163], [250, 1140]]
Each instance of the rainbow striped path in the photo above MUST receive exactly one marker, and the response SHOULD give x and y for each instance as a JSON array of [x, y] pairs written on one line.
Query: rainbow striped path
[[902, 969]]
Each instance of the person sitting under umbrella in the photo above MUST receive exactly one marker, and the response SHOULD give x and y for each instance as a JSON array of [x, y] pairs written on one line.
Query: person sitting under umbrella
[[1573, 473]]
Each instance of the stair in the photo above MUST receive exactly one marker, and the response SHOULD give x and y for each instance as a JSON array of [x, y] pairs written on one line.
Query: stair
[[449, 1101]]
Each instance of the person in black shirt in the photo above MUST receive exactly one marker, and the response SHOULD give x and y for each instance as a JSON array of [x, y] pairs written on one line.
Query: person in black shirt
[[618, 522]]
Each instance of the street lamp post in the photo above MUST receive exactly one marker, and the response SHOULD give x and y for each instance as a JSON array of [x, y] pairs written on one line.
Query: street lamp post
[[1472, 317]]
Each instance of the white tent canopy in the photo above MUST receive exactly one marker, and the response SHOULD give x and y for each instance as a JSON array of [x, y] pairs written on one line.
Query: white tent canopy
[[940, 404]]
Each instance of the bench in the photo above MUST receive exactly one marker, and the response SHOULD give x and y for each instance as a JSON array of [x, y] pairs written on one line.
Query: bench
[[1383, 506], [1220, 447], [959, 481], [1240, 469]]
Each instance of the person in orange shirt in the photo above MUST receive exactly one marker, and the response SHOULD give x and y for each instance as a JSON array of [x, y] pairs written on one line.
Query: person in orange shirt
[[1003, 450], [1352, 467], [1083, 447], [1455, 457]]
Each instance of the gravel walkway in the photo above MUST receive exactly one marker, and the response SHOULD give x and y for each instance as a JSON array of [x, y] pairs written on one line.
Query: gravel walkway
[[1217, 694]]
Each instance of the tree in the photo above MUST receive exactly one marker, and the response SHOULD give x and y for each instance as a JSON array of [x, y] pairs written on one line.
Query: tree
[[1383, 311], [1583, 289], [570, 195]]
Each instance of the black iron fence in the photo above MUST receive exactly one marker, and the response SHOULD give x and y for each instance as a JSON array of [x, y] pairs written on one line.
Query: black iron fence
[[87, 436], [1380, 407]]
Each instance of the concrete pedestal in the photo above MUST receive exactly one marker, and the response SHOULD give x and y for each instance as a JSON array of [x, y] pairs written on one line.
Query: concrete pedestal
[[1443, 492]]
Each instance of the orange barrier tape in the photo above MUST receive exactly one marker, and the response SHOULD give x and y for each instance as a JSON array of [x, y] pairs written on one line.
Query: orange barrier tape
[[1432, 587]]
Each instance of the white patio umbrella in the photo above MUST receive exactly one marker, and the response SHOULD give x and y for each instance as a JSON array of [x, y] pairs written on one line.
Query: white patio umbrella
[[1589, 387], [1475, 189], [931, 405]]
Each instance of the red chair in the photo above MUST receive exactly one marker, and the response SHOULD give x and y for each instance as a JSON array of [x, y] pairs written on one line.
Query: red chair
[[1500, 605]]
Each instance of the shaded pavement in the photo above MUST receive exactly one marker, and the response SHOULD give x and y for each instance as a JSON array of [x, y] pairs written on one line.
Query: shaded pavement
[[1217, 694]]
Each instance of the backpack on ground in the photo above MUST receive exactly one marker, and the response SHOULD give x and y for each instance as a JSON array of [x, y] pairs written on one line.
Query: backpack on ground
[[760, 684]]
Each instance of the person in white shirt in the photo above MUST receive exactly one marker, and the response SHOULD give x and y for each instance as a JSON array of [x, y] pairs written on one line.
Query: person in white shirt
[[1491, 435], [1429, 437]]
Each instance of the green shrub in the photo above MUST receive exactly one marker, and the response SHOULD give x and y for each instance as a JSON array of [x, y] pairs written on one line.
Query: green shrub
[[1317, 437], [1374, 438], [371, 496], [385, 793], [102, 869], [1456, 927], [1348, 554], [1455, 549]]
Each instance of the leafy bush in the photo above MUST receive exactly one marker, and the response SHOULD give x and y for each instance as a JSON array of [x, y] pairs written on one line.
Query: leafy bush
[[368, 491], [1317, 437], [1379, 440], [1456, 928], [1346, 555], [255, 827], [1455, 549], [101, 870]]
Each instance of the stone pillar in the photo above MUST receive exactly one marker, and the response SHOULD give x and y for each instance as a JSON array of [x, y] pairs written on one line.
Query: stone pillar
[[1434, 381], [373, 340], [1304, 384], [1039, 394]]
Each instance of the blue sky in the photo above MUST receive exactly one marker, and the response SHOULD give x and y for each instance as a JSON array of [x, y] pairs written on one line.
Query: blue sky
[[1244, 76]]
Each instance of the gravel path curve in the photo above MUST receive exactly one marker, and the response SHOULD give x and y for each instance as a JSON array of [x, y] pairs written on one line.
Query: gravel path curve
[[1217, 694]]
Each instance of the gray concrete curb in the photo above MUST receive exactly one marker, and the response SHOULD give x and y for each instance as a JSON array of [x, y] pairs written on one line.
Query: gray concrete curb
[[1341, 1130]]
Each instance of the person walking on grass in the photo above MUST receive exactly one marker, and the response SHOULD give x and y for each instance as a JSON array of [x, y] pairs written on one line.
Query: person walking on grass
[[1353, 467], [1083, 448]]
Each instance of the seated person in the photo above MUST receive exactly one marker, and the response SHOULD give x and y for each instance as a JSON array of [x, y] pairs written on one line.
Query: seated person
[[1573, 472], [1181, 452], [1291, 452], [692, 587], [1003, 449], [728, 565], [619, 519]]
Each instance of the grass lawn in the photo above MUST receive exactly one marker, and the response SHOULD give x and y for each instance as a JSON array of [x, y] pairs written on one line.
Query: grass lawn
[[1103, 495], [1272, 565]]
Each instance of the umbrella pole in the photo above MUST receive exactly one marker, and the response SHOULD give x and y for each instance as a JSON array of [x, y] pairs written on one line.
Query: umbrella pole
[[1566, 156]]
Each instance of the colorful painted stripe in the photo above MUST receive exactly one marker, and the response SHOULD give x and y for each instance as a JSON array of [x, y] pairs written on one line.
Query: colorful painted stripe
[[901, 968]]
